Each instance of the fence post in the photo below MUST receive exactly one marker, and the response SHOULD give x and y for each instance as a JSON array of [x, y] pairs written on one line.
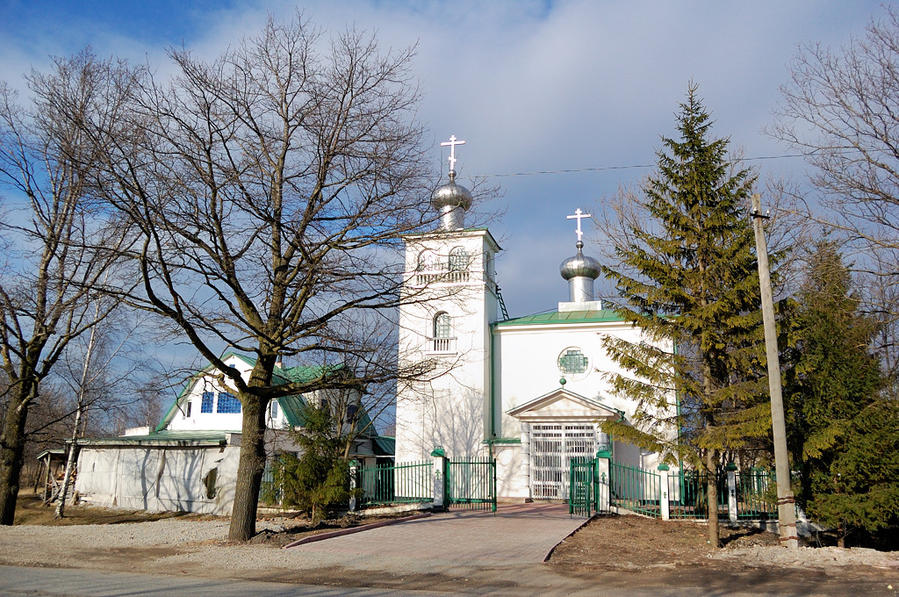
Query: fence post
[[731, 491], [663, 491], [438, 481], [602, 475], [354, 483]]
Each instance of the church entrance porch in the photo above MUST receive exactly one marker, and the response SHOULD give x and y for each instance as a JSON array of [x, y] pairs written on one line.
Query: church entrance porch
[[553, 447], [559, 428]]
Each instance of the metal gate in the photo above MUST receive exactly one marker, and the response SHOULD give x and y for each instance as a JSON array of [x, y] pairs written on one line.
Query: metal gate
[[471, 484], [582, 487], [553, 448]]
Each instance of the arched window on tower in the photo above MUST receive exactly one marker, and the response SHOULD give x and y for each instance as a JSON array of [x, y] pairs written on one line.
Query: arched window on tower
[[428, 268], [458, 265], [443, 333]]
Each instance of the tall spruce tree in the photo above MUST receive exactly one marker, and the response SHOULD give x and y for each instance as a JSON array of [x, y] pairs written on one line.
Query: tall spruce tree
[[689, 279], [843, 432]]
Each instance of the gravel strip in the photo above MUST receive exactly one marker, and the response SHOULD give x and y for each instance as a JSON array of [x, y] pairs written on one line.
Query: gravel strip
[[817, 557]]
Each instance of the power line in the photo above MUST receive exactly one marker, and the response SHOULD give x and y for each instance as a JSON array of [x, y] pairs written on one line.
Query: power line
[[633, 166]]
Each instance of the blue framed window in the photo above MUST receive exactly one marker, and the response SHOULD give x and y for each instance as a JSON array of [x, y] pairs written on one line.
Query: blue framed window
[[206, 404], [274, 409], [228, 403]]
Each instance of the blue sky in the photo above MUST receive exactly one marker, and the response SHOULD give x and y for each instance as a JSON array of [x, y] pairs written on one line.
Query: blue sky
[[532, 86]]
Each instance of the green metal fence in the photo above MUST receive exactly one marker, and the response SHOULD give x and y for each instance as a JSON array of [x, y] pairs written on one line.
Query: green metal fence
[[756, 495], [688, 494], [635, 489], [471, 484], [401, 483]]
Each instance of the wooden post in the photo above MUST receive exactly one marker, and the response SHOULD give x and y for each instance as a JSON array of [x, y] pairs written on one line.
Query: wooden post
[[786, 511], [44, 495]]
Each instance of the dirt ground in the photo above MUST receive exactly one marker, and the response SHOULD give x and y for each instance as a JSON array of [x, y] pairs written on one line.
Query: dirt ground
[[275, 531], [645, 543], [614, 548]]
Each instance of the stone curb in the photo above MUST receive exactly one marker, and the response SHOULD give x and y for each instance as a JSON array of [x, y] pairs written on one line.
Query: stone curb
[[553, 548], [350, 531]]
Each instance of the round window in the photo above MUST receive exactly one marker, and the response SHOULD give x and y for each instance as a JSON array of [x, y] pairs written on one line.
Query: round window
[[573, 362]]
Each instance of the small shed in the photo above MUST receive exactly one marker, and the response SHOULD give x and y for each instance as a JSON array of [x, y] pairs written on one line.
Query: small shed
[[52, 468]]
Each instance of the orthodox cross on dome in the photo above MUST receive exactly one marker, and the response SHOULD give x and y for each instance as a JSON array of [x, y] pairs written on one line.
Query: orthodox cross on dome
[[452, 145], [578, 215]]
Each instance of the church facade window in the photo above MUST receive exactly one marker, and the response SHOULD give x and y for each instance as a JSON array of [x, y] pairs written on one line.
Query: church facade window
[[442, 332], [458, 265], [572, 361], [458, 259]]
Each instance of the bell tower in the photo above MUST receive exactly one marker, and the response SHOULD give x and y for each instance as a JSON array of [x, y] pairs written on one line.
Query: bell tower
[[449, 302]]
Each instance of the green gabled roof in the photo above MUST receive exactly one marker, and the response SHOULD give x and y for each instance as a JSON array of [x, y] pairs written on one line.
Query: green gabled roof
[[170, 413], [293, 409], [564, 317], [165, 437], [383, 445], [291, 405]]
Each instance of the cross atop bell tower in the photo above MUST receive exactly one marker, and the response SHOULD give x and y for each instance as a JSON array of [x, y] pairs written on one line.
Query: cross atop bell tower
[[452, 157]]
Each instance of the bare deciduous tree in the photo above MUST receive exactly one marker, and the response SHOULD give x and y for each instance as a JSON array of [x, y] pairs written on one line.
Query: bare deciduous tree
[[60, 246], [842, 109], [271, 188]]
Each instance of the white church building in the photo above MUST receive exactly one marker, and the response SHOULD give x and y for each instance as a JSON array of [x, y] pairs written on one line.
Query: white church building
[[529, 391]]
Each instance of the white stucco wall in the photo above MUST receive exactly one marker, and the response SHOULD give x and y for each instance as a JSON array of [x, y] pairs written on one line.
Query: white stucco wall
[[525, 367], [158, 479], [448, 411]]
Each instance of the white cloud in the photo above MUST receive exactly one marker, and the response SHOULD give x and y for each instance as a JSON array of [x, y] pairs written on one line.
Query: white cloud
[[541, 85]]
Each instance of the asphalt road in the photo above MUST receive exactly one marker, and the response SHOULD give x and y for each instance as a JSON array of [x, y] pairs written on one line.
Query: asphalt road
[[40, 582]]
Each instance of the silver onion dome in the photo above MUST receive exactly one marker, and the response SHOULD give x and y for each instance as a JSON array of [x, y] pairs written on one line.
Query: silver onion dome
[[451, 200], [580, 265], [580, 271]]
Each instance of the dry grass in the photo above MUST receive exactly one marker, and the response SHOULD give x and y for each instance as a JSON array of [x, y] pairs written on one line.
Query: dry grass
[[30, 511]]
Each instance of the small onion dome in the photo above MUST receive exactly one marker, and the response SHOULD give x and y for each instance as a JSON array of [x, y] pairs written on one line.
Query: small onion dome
[[451, 195], [580, 265]]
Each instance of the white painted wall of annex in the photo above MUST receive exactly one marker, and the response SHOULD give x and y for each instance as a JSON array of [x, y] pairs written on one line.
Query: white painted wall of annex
[[450, 410], [158, 479], [526, 367]]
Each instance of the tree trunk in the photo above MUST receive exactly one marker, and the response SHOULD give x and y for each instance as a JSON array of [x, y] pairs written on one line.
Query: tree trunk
[[249, 469], [12, 452], [711, 462], [71, 455], [79, 412]]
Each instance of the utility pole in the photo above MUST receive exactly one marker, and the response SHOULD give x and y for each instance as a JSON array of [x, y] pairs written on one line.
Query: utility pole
[[786, 510]]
